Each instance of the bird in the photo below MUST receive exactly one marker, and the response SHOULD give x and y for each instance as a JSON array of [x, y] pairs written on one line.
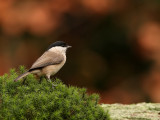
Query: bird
[[51, 61]]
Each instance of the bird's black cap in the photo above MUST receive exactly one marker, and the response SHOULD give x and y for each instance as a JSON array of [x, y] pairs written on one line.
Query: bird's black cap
[[58, 43]]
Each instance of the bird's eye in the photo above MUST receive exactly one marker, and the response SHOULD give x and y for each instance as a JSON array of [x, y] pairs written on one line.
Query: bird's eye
[[64, 45]]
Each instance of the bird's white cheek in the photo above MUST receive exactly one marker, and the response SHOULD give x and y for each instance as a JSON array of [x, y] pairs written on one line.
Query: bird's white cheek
[[52, 50], [58, 49]]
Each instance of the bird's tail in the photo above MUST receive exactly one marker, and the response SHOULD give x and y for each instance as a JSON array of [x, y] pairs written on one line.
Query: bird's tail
[[21, 76]]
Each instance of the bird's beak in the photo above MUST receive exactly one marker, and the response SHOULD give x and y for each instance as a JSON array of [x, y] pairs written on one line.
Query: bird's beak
[[69, 46]]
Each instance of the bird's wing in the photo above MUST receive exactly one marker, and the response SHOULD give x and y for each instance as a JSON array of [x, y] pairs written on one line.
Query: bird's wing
[[48, 58]]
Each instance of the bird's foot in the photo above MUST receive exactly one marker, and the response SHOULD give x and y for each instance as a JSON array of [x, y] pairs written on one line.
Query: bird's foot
[[53, 85]]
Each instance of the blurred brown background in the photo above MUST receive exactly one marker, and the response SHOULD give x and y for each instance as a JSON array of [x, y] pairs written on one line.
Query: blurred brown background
[[116, 43]]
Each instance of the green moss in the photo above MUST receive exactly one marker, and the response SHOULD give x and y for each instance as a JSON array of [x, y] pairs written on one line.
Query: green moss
[[39, 101]]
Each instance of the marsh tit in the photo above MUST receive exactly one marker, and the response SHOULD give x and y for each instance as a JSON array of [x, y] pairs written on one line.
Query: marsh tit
[[50, 62]]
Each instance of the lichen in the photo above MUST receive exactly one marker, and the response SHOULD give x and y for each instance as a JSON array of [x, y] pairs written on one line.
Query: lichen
[[140, 111]]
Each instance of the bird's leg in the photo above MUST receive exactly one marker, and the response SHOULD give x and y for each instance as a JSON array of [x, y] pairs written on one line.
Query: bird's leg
[[49, 80], [54, 80]]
